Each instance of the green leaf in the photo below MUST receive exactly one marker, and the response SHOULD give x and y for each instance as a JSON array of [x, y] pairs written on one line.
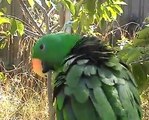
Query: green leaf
[[117, 8], [113, 12], [13, 27], [3, 43], [48, 3], [9, 1], [4, 20], [90, 6], [143, 34], [4, 9], [20, 27], [1, 13], [106, 14], [139, 74], [2, 77], [70, 5], [120, 3], [31, 3], [133, 55], [145, 66]]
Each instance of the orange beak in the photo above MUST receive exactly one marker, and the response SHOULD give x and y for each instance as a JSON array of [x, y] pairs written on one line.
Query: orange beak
[[37, 67]]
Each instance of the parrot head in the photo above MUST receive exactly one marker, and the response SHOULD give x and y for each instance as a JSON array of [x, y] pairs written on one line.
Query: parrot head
[[50, 51]]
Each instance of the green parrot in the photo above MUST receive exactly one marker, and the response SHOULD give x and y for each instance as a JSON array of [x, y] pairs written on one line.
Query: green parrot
[[91, 83]]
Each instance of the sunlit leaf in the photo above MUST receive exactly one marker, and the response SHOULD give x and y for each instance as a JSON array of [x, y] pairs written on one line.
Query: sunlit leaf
[[1, 13], [113, 13], [69, 5], [9, 1], [31, 3], [117, 8], [4, 20], [2, 77], [4, 9], [48, 3], [2, 45], [13, 26], [20, 27], [120, 3], [90, 5]]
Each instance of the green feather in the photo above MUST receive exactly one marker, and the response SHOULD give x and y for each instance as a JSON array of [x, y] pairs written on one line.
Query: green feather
[[107, 76], [102, 105], [113, 98], [60, 99], [128, 102], [93, 82], [59, 114], [90, 70], [81, 62], [74, 74], [68, 113], [80, 93], [84, 111]]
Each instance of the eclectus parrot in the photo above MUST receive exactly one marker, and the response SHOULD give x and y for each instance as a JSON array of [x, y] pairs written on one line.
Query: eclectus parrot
[[91, 83]]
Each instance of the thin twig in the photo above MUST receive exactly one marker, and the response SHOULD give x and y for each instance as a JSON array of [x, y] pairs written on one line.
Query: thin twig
[[46, 18], [28, 32], [142, 60], [30, 16], [120, 27], [16, 18], [50, 11]]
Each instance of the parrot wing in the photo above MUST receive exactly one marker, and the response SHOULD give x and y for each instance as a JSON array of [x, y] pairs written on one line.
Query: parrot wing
[[94, 85], [86, 92]]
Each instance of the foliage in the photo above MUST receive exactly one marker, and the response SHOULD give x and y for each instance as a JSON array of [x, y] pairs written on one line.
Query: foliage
[[15, 26], [136, 55], [89, 15]]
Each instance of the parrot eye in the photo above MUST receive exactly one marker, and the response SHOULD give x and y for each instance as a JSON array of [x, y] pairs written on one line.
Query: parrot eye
[[42, 47]]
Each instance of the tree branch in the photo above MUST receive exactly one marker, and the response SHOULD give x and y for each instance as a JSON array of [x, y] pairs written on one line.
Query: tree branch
[[46, 18], [50, 97], [28, 32]]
